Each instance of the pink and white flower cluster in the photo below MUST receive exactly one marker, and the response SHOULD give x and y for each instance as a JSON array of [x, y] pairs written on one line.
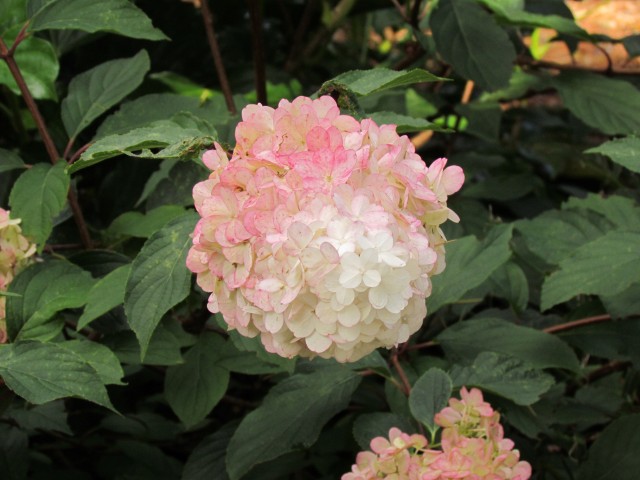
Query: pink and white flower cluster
[[472, 447], [16, 252], [321, 232]]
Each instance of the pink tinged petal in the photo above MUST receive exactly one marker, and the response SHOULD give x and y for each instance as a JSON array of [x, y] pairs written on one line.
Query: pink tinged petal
[[452, 179], [318, 343], [349, 316], [318, 139], [379, 445], [330, 253]]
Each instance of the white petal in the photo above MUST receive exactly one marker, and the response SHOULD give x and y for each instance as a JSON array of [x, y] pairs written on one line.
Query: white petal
[[349, 316], [273, 322], [371, 278], [378, 298], [350, 278], [318, 343]]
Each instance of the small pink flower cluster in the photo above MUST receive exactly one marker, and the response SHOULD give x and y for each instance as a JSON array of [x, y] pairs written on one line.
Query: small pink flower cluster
[[321, 232], [473, 447], [16, 252]]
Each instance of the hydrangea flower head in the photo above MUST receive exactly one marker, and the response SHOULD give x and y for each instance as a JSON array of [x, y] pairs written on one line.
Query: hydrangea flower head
[[321, 232], [463, 454], [16, 252]]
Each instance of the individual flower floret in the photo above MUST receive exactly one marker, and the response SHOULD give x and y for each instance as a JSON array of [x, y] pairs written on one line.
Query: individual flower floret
[[16, 252], [320, 233]]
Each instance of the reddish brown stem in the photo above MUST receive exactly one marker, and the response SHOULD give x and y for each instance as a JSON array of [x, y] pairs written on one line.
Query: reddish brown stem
[[207, 17], [74, 158], [420, 346], [7, 55], [577, 323], [403, 376]]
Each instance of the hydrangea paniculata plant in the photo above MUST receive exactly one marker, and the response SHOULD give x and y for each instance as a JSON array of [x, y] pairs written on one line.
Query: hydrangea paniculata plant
[[320, 234], [472, 447], [16, 252]]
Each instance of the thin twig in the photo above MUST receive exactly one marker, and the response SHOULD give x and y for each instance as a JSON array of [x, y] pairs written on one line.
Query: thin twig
[[403, 376], [74, 158], [259, 68], [7, 55], [207, 18], [577, 323], [420, 346], [400, 10]]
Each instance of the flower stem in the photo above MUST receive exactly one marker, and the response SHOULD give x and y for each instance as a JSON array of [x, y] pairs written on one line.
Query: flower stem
[[7, 54]]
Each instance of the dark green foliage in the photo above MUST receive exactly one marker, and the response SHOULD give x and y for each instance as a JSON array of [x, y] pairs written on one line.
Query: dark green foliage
[[115, 369]]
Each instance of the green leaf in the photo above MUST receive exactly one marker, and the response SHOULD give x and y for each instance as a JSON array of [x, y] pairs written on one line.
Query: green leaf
[[510, 282], [38, 64], [10, 161], [159, 277], [366, 82], [464, 341], [246, 344], [616, 340], [608, 105], [292, 415], [46, 289], [136, 224], [195, 387], [97, 90], [605, 266], [429, 395], [522, 18], [115, 16], [484, 120], [625, 151], [160, 106], [248, 362], [623, 304], [164, 347], [42, 372], [469, 39], [103, 360], [371, 425], [206, 462], [14, 453], [504, 375], [107, 293], [50, 416], [163, 173], [632, 45], [405, 123], [160, 134], [37, 197], [519, 84], [470, 262], [554, 235], [613, 456], [622, 211]]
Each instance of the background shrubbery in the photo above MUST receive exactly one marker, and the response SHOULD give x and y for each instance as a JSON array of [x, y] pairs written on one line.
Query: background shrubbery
[[115, 369]]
